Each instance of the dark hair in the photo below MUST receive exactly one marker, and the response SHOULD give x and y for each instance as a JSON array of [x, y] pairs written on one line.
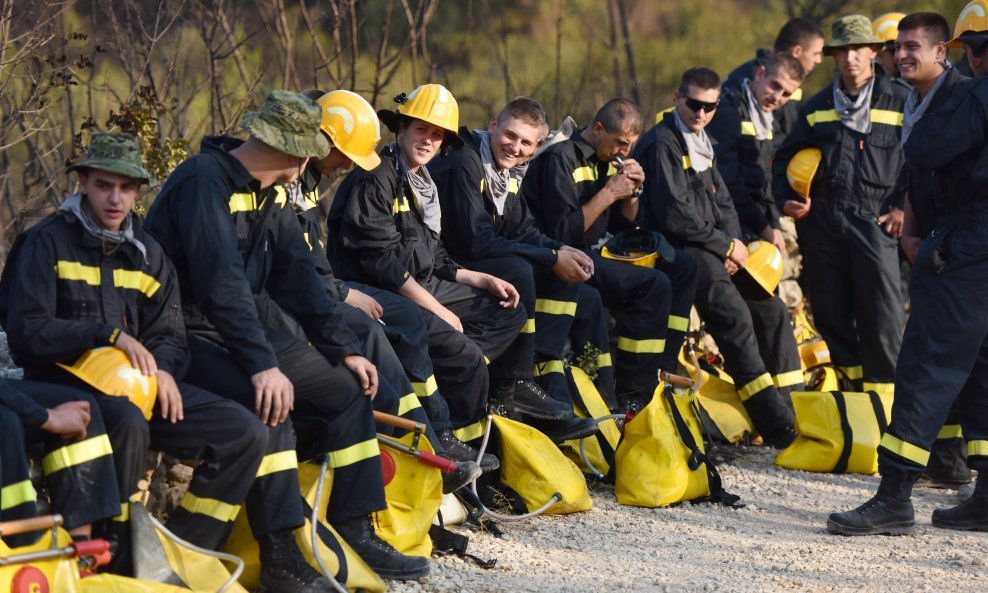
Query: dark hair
[[619, 115], [785, 62], [700, 77], [935, 25], [798, 31], [527, 110]]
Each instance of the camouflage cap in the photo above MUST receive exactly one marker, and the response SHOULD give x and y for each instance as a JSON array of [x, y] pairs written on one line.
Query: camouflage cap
[[854, 29], [116, 152], [288, 122]]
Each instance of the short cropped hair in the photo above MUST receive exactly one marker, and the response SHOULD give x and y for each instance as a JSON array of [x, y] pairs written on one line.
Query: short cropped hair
[[700, 77], [798, 31], [781, 61], [527, 110], [620, 115], [934, 24]]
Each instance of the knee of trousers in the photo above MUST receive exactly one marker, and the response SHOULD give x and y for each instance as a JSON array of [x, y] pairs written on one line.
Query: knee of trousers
[[11, 434], [522, 276], [125, 425]]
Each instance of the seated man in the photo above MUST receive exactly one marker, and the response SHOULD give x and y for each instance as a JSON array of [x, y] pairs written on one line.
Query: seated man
[[689, 202], [578, 190]]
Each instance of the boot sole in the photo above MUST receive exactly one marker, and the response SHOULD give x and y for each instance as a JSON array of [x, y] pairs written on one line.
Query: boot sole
[[901, 528], [541, 413], [579, 434], [978, 525], [394, 575]]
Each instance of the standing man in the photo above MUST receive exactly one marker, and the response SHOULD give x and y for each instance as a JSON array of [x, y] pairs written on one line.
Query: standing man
[[971, 33], [944, 357], [689, 202], [848, 234]]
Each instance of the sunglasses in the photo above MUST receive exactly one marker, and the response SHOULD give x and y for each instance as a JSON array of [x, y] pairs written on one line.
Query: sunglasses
[[696, 105]]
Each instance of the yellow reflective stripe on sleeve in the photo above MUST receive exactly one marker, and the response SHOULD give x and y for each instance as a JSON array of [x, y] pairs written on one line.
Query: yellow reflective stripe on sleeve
[[73, 270], [277, 462], [906, 450], [797, 95], [400, 205], [585, 174], [679, 324], [552, 307], [76, 454], [819, 117], [427, 388], [471, 431], [687, 163], [884, 116], [641, 346], [977, 448], [878, 387], [529, 327], [604, 360], [950, 431], [136, 280], [548, 367], [761, 382], [242, 203], [853, 373], [748, 128], [354, 454], [513, 185], [17, 494], [788, 379], [407, 403], [217, 509]]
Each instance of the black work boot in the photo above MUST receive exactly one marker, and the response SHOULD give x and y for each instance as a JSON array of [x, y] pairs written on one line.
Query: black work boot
[[531, 401], [780, 438], [466, 472], [889, 512], [379, 555], [970, 515], [457, 450], [566, 429], [501, 400], [283, 568]]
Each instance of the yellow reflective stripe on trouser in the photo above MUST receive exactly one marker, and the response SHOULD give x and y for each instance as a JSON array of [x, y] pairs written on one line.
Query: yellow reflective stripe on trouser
[[471, 431], [641, 346], [551, 307], [73, 270], [679, 324], [977, 448], [604, 360], [853, 373], [950, 431], [584, 174], [17, 494], [788, 379], [529, 327], [409, 402], [354, 454], [884, 116], [136, 280], [124, 515], [761, 382], [277, 462], [906, 450], [427, 388], [548, 367], [217, 509], [878, 387], [76, 454]]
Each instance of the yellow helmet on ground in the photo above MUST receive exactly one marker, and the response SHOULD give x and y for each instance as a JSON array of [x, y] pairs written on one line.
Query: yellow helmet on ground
[[764, 265], [813, 353], [801, 170], [431, 103], [886, 27], [973, 19], [108, 369], [352, 125]]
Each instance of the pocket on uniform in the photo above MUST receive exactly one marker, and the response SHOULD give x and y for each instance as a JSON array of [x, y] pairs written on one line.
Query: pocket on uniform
[[881, 163]]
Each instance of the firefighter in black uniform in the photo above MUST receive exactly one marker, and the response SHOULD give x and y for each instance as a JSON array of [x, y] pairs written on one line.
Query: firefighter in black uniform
[[62, 420], [742, 134], [224, 219], [488, 227], [848, 233], [577, 194], [944, 355], [384, 230], [690, 203]]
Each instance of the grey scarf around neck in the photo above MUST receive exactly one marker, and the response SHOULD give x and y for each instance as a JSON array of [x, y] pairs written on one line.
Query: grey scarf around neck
[[698, 145], [915, 108], [497, 180], [74, 208], [761, 119], [855, 114], [425, 194]]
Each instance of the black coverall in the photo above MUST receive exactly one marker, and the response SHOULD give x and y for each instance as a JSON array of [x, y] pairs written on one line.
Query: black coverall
[[851, 266], [785, 116], [745, 163], [695, 212], [652, 305], [69, 293], [509, 246], [944, 355], [242, 262]]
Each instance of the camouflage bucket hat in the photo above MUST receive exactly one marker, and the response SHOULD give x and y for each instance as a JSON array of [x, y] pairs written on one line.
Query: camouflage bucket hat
[[288, 122], [116, 152], [853, 29]]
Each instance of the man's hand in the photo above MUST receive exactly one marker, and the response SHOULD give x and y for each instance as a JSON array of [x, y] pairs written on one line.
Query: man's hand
[[731, 267], [798, 210], [623, 185], [274, 396], [68, 420], [504, 291], [587, 261], [450, 318], [170, 398], [140, 357], [739, 255], [365, 371], [891, 222], [910, 246], [774, 236], [365, 303], [569, 267]]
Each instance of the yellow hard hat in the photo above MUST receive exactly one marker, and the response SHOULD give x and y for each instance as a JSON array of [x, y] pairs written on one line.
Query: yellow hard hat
[[764, 264], [431, 103], [973, 19], [886, 27], [801, 170], [352, 125], [814, 353], [108, 369]]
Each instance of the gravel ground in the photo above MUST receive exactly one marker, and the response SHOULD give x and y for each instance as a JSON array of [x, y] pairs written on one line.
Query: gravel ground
[[778, 542]]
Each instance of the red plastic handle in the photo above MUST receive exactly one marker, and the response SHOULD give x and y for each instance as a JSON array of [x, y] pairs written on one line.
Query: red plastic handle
[[436, 461], [93, 547]]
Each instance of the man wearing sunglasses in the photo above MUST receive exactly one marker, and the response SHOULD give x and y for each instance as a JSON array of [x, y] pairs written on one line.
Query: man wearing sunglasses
[[688, 200]]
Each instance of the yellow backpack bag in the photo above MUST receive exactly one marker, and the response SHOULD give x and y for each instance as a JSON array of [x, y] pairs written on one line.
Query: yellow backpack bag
[[594, 455], [718, 399], [414, 493]]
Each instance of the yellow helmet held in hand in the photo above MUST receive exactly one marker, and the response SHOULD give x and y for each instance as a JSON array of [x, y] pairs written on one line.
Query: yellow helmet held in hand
[[886, 27], [972, 20], [352, 125], [431, 103], [109, 370], [813, 353], [764, 265], [802, 168]]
